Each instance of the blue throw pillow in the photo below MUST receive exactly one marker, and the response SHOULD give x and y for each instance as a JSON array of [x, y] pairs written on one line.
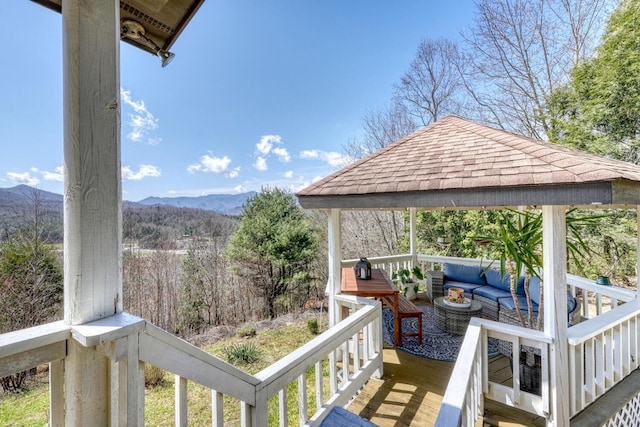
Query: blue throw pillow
[[495, 279], [464, 273], [534, 291]]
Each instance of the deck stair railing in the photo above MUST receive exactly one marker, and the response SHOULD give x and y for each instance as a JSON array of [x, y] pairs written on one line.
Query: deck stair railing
[[344, 357], [469, 385]]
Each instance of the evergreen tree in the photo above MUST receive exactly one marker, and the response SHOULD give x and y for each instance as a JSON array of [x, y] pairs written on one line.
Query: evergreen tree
[[272, 248], [599, 110]]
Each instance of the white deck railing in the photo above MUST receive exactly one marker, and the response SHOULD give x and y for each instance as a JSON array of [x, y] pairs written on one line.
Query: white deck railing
[[352, 350], [602, 352]]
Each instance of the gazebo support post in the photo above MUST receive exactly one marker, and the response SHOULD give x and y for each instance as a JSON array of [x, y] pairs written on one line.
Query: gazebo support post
[[413, 242], [92, 197], [555, 311], [638, 252], [335, 263]]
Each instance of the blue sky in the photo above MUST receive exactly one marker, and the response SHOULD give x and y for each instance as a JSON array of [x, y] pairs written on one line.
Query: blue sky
[[260, 93]]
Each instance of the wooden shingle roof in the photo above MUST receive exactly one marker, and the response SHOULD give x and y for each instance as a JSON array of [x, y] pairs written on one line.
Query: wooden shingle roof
[[456, 163]]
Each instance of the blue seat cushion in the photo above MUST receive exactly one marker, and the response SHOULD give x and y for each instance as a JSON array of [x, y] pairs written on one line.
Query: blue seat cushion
[[522, 301], [497, 280], [491, 293], [534, 289], [508, 303], [571, 303], [467, 287], [464, 273]]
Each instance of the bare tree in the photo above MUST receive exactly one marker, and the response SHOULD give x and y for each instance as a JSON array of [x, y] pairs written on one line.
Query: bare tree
[[432, 86], [381, 127], [521, 51]]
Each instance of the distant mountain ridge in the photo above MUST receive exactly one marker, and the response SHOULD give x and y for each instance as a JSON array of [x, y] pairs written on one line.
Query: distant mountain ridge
[[228, 204]]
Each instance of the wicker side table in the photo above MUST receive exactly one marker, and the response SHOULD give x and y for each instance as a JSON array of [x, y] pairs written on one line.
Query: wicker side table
[[453, 319]]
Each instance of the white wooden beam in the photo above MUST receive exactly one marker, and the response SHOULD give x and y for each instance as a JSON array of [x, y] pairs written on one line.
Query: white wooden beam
[[555, 310], [92, 196], [92, 181], [638, 252], [335, 260]]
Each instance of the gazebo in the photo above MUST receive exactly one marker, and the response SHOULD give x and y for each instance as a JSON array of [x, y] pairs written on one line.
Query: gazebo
[[458, 164]]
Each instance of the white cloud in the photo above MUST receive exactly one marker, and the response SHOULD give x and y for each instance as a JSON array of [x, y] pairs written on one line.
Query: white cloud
[[288, 174], [141, 121], [316, 179], [234, 172], [283, 154], [145, 171], [57, 175], [266, 143], [23, 178], [213, 164], [261, 164], [333, 158], [310, 154]]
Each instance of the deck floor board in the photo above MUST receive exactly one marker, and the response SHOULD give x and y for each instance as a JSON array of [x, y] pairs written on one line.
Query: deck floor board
[[411, 390]]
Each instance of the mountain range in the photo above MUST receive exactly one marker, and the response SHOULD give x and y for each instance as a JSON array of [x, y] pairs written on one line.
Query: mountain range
[[228, 204]]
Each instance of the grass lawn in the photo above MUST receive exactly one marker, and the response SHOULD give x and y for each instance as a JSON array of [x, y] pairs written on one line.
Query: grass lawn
[[30, 408]]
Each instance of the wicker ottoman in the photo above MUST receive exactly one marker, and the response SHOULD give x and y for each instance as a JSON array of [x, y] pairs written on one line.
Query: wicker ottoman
[[453, 319]]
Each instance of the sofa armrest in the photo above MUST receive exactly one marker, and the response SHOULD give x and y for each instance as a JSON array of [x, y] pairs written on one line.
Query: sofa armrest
[[435, 284]]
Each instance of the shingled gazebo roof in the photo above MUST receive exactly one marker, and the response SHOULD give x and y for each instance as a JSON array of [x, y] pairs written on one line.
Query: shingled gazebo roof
[[456, 163]]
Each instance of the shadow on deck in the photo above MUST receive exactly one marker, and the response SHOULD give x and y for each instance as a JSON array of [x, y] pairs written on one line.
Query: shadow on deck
[[411, 391]]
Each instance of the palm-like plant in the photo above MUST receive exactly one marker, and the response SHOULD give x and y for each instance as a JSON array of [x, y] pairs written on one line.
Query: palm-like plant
[[519, 242]]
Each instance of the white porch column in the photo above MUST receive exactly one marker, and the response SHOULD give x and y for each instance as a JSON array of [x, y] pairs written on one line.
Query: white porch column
[[413, 242], [92, 195], [638, 252], [555, 310], [335, 260]]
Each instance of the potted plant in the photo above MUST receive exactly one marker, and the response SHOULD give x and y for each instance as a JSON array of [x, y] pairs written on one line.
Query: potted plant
[[407, 281]]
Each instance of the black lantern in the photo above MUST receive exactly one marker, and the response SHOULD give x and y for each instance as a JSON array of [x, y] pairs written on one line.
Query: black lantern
[[363, 269]]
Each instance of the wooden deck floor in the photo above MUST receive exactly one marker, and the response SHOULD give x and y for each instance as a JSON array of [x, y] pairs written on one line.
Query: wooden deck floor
[[411, 390]]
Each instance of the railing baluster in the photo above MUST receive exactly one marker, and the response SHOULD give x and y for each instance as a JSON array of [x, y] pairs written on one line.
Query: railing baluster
[[217, 409], [282, 407], [356, 352], [345, 363], [609, 360], [56, 393], [366, 344], [319, 389], [302, 398], [181, 400], [333, 373]]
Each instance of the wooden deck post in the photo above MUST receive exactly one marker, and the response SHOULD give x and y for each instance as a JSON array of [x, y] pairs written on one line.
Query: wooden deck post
[[638, 252], [92, 196], [335, 260], [413, 240], [555, 311]]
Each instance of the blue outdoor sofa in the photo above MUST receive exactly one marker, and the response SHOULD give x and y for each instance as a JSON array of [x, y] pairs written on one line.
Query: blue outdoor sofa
[[490, 288]]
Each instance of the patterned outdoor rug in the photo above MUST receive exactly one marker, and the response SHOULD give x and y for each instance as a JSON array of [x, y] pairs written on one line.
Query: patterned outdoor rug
[[436, 344]]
